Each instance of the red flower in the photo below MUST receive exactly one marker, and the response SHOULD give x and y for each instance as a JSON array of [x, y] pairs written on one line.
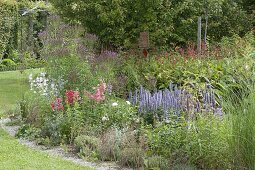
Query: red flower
[[57, 105], [72, 96]]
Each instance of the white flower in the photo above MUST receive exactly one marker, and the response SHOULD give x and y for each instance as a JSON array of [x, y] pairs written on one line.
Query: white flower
[[43, 74], [114, 104], [246, 67], [30, 77], [52, 85], [137, 120], [74, 6], [128, 102], [105, 118], [167, 121]]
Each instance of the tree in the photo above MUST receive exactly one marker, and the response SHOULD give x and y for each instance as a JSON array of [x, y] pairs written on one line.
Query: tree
[[119, 22]]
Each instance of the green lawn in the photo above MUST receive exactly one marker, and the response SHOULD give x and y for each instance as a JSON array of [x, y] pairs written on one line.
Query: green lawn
[[13, 85], [14, 156]]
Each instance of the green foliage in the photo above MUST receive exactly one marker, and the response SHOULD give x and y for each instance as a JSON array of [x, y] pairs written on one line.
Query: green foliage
[[28, 132], [112, 129], [241, 111], [118, 23], [120, 116], [77, 73], [87, 146], [202, 142], [8, 62], [8, 18], [208, 142], [194, 73]]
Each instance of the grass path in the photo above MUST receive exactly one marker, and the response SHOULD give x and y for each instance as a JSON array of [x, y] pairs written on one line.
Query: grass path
[[14, 156]]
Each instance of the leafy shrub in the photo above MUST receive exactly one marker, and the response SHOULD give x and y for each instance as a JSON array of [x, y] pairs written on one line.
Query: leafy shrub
[[201, 142], [86, 141], [110, 150], [207, 145], [87, 146], [28, 132], [2, 67], [132, 149], [51, 129], [157, 162], [33, 109], [77, 73], [8, 62]]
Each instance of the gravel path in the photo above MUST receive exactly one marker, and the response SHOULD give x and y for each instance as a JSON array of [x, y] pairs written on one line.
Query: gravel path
[[58, 151]]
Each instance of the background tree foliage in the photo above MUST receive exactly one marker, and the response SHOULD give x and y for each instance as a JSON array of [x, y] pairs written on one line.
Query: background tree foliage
[[8, 23], [118, 22], [20, 22]]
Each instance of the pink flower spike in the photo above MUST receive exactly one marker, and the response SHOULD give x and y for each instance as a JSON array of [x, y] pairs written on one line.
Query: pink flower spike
[[98, 96]]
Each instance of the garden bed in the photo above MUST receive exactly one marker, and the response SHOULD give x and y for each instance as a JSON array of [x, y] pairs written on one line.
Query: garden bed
[[57, 151]]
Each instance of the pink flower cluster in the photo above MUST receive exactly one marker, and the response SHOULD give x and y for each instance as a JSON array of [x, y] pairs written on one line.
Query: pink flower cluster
[[98, 96], [72, 96], [57, 105]]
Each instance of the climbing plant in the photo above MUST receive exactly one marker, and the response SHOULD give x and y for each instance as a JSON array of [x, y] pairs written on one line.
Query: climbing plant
[[8, 20]]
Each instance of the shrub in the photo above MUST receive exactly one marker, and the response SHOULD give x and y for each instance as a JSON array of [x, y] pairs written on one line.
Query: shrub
[[87, 146], [8, 62], [157, 162], [34, 108], [73, 70], [2, 67], [202, 142], [132, 149]]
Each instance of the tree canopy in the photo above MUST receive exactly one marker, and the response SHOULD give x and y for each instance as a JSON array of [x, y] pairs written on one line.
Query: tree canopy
[[119, 22]]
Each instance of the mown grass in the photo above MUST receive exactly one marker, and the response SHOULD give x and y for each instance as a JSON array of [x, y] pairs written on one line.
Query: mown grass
[[13, 84], [14, 156]]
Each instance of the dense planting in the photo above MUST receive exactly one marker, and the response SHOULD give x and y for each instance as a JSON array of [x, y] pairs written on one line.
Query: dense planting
[[171, 110], [175, 108]]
